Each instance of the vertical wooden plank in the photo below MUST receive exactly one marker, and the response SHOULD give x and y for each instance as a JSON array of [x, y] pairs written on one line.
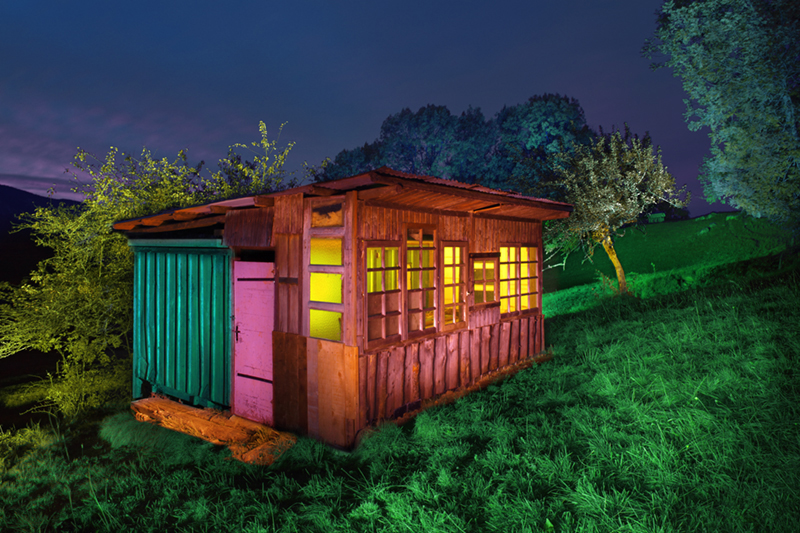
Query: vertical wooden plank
[[505, 336], [426, 357], [395, 379], [350, 266], [464, 346], [486, 339], [351, 396], [439, 366], [312, 366], [381, 385], [494, 347], [453, 359], [523, 338], [363, 409], [411, 384], [475, 355], [513, 350], [372, 380], [333, 388]]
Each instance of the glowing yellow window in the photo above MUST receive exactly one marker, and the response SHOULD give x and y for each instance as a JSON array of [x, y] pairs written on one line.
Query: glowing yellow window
[[325, 251], [325, 324]]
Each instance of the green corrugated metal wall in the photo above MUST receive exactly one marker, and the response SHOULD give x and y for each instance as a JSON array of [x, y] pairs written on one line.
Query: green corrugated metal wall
[[182, 320]]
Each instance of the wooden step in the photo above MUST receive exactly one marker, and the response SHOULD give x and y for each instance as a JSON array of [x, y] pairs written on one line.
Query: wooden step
[[249, 441]]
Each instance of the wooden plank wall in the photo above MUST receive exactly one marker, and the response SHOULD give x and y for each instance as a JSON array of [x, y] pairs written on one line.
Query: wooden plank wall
[[288, 241], [335, 395], [290, 383], [396, 379], [490, 233]]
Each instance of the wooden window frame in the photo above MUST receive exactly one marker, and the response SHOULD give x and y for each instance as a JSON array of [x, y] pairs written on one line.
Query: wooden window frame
[[533, 277], [384, 339], [463, 285], [494, 257], [408, 334]]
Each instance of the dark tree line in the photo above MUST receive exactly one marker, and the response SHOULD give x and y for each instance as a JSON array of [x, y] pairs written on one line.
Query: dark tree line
[[515, 144]]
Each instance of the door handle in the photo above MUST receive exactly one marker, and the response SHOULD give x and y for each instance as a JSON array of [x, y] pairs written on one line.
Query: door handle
[[236, 332]]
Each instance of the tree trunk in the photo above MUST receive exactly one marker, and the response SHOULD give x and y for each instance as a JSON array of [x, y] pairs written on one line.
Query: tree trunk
[[608, 245]]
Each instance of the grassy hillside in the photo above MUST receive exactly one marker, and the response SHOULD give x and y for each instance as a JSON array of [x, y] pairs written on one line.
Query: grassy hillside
[[699, 242], [675, 412]]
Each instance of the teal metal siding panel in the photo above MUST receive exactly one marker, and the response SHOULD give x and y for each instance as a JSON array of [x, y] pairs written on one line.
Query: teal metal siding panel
[[182, 323]]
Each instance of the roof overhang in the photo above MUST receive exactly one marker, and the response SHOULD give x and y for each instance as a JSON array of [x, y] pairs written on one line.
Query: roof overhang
[[380, 187]]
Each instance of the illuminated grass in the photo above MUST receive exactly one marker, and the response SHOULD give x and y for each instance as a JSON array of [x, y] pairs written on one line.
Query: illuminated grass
[[671, 413]]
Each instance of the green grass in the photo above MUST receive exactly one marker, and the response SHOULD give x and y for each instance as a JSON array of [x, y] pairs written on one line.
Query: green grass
[[679, 412]]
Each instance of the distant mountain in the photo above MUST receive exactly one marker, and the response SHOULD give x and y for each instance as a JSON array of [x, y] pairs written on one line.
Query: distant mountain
[[15, 201]]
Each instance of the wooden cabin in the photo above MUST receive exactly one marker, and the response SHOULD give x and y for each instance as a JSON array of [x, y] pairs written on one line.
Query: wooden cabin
[[328, 307]]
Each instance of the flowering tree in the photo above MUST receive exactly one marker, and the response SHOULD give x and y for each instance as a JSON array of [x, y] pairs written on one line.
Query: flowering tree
[[609, 183]]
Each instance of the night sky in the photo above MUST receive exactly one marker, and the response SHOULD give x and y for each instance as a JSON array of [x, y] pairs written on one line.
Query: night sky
[[197, 75]]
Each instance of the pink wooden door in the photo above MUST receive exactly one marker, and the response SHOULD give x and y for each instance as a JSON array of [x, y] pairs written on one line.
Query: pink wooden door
[[254, 308]]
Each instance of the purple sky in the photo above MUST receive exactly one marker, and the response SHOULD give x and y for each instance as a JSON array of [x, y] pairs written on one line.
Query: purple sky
[[200, 75]]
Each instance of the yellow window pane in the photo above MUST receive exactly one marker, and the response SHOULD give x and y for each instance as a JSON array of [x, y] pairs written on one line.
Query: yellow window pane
[[503, 271], [504, 254], [392, 257], [325, 216], [374, 281], [503, 289], [326, 287], [427, 239], [457, 275], [392, 280], [413, 279], [512, 288], [523, 254], [477, 270], [374, 258], [504, 305], [448, 255], [512, 305], [325, 324], [427, 258], [448, 295], [458, 295], [412, 258], [523, 270], [427, 278], [490, 297], [429, 299], [532, 253], [478, 294], [524, 303], [428, 319], [326, 251], [448, 275], [525, 285], [512, 271], [489, 272], [512, 254], [457, 257]]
